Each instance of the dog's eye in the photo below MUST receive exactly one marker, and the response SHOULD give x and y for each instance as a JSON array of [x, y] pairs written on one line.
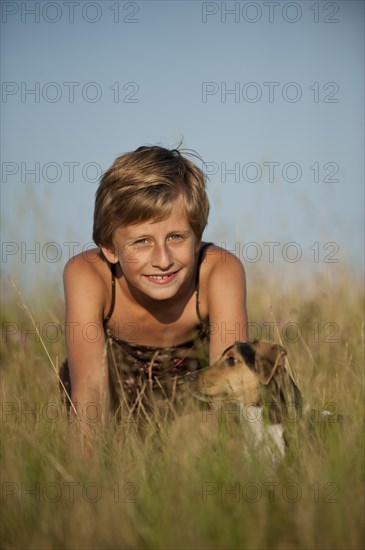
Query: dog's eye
[[231, 361]]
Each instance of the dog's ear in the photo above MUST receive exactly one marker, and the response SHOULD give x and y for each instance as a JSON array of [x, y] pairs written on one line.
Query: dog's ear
[[267, 359]]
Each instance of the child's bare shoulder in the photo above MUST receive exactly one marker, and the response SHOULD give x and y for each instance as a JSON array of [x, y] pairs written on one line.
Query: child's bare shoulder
[[89, 263], [222, 268], [220, 259], [87, 274]]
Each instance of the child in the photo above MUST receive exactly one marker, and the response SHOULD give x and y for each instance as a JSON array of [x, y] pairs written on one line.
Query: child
[[151, 303]]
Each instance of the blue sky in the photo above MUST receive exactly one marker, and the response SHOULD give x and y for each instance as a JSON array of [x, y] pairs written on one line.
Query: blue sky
[[156, 72]]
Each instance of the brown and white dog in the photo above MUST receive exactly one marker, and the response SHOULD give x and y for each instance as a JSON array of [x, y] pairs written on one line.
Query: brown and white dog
[[253, 376]]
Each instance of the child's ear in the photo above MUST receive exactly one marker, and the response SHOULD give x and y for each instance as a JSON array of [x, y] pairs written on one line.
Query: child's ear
[[109, 255]]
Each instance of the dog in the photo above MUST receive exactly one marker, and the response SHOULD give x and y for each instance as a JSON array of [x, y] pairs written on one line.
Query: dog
[[253, 377]]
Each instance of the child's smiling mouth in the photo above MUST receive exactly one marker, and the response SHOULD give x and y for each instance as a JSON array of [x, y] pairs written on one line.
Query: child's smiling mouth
[[162, 279]]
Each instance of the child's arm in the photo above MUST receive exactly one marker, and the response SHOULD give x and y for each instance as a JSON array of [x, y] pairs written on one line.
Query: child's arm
[[85, 295], [226, 301]]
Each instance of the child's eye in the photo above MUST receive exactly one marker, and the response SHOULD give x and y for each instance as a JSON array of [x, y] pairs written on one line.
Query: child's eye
[[175, 237], [141, 242]]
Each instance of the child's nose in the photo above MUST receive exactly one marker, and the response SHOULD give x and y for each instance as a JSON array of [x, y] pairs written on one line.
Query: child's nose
[[162, 257]]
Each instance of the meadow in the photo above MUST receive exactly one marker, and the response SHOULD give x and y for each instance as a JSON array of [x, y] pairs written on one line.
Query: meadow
[[147, 495]]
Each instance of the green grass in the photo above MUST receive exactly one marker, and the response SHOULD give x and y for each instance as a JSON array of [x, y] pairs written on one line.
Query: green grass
[[141, 495]]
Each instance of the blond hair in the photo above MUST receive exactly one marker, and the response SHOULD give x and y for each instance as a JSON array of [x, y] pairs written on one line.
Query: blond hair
[[142, 186]]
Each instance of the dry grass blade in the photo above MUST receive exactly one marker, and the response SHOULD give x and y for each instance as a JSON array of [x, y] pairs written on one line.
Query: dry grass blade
[[50, 457], [24, 306]]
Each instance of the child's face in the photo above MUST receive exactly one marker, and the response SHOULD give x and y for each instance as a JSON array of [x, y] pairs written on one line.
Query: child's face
[[157, 258]]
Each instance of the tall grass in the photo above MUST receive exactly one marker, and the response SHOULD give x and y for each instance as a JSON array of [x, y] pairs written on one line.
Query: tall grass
[[188, 493]]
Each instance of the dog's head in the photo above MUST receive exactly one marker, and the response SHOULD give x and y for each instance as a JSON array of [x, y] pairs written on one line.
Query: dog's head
[[254, 374]]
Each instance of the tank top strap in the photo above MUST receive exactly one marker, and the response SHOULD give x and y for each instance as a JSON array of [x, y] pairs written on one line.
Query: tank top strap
[[113, 268], [201, 257]]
